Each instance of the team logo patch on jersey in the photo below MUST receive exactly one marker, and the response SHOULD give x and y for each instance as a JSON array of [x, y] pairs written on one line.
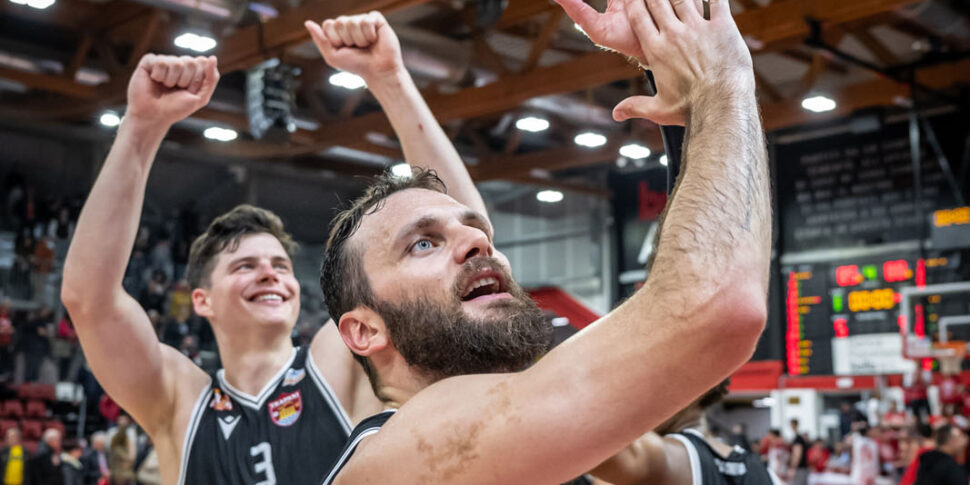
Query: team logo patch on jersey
[[220, 402], [285, 410], [293, 377]]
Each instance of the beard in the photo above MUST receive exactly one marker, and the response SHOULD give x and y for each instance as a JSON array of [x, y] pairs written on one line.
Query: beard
[[441, 340]]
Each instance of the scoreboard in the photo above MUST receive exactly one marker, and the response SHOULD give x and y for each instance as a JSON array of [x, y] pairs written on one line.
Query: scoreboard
[[842, 317]]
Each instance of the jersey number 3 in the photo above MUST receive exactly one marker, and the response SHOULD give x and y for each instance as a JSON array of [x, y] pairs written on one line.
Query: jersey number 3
[[264, 463]]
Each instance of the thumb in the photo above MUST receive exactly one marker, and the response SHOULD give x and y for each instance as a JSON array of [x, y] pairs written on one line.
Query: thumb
[[636, 107]]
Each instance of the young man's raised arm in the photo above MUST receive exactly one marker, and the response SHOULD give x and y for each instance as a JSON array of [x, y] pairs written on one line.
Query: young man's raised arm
[[367, 46], [115, 333], [696, 320]]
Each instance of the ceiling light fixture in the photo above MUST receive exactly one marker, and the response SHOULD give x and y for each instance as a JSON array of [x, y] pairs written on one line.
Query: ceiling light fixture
[[532, 124], [663, 160], [195, 42], [220, 134], [634, 151], [589, 139], [549, 196], [818, 104], [347, 80], [110, 119], [401, 170]]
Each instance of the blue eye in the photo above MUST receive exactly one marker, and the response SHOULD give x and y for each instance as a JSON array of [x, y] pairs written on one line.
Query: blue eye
[[423, 245]]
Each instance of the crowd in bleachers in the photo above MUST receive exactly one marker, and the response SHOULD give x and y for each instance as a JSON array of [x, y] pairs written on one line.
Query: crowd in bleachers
[[908, 445]]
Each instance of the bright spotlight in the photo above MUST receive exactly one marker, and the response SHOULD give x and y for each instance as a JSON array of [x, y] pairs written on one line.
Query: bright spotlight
[[532, 124], [195, 42], [663, 160], [589, 139], [818, 104], [347, 80], [220, 134], [549, 196], [402, 170], [110, 119], [634, 151]]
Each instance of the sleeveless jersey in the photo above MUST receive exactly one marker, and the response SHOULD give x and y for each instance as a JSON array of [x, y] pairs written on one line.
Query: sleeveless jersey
[[291, 433], [366, 428], [707, 467]]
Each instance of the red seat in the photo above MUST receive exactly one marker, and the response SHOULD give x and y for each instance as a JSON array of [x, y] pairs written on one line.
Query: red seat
[[32, 430], [36, 409], [53, 423], [45, 392], [13, 408], [7, 424]]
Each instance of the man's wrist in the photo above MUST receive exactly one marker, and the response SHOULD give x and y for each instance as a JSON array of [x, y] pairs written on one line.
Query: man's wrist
[[142, 133], [389, 84]]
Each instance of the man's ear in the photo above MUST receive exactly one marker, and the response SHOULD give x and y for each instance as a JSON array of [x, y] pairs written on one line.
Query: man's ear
[[201, 303], [363, 330]]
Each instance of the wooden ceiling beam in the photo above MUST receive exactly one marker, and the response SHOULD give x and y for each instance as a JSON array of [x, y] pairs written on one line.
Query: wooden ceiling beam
[[876, 47], [548, 32], [519, 11], [47, 82]]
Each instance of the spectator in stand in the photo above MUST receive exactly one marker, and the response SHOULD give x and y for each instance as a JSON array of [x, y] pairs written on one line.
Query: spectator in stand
[[147, 471], [894, 418], [64, 347], [927, 443], [948, 415], [841, 459], [739, 437], [62, 227], [121, 453], [798, 463], [180, 300], [916, 396], [154, 295], [71, 468], [45, 467], [865, 454], [35, 342], [849, 414], [818, 456], [42, 263], [6, 339], [13, 457], [949, 389], [775, 451], [95, 460], [190, 349], [938, 466]]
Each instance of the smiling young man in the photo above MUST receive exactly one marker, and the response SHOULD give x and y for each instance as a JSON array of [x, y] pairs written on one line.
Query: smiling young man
[[428, 305], [273, 414]]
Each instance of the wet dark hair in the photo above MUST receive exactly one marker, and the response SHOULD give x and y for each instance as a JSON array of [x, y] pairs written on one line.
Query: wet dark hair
[[225, 232], [942, 434], [343, 281]]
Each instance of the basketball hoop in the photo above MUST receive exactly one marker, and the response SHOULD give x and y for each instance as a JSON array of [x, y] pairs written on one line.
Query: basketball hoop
[[950, 354]]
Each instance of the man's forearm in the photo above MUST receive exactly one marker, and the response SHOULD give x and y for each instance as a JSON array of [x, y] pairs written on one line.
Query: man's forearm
[[718, 224], [424, 143], [108, 223]]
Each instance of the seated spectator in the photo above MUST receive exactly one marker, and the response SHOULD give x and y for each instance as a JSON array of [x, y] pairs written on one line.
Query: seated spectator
[[95, 460], [71, 468], [818, 456], [13, 457], [45, 466], [894, 417], [849, 415], [938, 466], [841, 459], [121, 453]]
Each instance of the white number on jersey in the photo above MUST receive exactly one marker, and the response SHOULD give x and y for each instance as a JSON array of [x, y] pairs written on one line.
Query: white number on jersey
[[265, 465]]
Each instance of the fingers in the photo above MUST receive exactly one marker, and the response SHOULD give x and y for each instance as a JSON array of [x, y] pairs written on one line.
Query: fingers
[[635, 107], [661, 12], [686, 10], [330, 33], [320, 38], [580, 12], [642, 23], [188, 72], [210, 77], [720, 9], [195, 74]]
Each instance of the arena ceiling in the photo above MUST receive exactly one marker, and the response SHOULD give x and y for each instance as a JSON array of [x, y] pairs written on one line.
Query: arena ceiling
[[481, 64]]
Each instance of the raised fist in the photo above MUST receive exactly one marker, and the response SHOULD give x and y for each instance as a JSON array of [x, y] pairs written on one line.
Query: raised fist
[[361, 44], [167, 89]]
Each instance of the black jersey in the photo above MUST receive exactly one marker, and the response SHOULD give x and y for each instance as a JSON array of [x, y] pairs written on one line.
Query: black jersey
[[291, 433], [366, 428], [708, 467]]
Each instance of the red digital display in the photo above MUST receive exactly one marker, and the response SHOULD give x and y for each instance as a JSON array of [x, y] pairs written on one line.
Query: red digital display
[[897, 270], [841, 326], [848, 275]]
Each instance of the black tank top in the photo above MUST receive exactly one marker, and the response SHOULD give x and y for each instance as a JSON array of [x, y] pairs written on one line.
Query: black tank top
[[708, 467], [291, 433], [366, 428]]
